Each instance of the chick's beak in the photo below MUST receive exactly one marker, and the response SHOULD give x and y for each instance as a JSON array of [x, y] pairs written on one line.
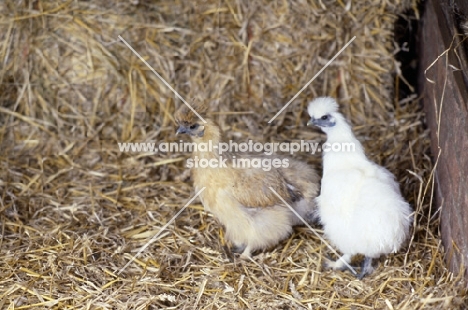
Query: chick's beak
[[181, 129], [311, 122]]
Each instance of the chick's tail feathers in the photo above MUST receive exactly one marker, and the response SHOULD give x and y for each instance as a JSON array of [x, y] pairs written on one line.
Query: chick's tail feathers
[[303, 183]]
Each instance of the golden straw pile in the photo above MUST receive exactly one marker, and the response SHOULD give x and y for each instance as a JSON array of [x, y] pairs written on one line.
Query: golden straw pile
[[75, 210]]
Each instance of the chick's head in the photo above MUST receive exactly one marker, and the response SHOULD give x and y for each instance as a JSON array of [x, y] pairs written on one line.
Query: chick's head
[[188, 122], [323, 112]]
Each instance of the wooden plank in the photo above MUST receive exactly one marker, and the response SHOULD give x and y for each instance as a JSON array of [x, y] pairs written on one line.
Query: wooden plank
[[451, 36], [449, 97]]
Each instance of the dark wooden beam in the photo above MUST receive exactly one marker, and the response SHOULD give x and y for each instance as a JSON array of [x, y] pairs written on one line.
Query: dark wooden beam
[[447, 99]]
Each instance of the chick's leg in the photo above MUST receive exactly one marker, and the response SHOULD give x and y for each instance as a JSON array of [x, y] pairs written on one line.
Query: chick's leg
[[246, 254], [366, 268], [236, 248], [341, 263]]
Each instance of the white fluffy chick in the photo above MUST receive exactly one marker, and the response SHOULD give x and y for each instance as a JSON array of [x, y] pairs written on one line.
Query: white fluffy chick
[[360, 204]]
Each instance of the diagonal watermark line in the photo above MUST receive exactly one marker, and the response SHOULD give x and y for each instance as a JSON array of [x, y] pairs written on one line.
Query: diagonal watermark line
[[160, 231], [313, 230], [312, 79], [161, 78]]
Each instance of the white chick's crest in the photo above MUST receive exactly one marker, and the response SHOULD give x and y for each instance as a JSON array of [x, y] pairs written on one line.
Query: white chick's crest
[[322, 106]]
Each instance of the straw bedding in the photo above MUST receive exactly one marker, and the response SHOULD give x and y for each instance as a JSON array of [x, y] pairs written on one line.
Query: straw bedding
[[75, 209]]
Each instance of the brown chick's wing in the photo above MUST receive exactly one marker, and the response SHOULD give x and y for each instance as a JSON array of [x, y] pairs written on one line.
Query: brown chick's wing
[[251, 188]]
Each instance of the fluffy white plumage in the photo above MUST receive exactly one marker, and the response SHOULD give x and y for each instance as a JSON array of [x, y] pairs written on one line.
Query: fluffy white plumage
[[360, 204]]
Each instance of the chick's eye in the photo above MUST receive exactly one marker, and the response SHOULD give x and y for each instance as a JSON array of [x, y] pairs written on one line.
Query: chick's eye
[[325, 117], [194, 126]]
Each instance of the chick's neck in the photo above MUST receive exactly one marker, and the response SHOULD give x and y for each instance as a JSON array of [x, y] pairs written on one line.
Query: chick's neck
[[343, 134], [211, 138], [349, 151]]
